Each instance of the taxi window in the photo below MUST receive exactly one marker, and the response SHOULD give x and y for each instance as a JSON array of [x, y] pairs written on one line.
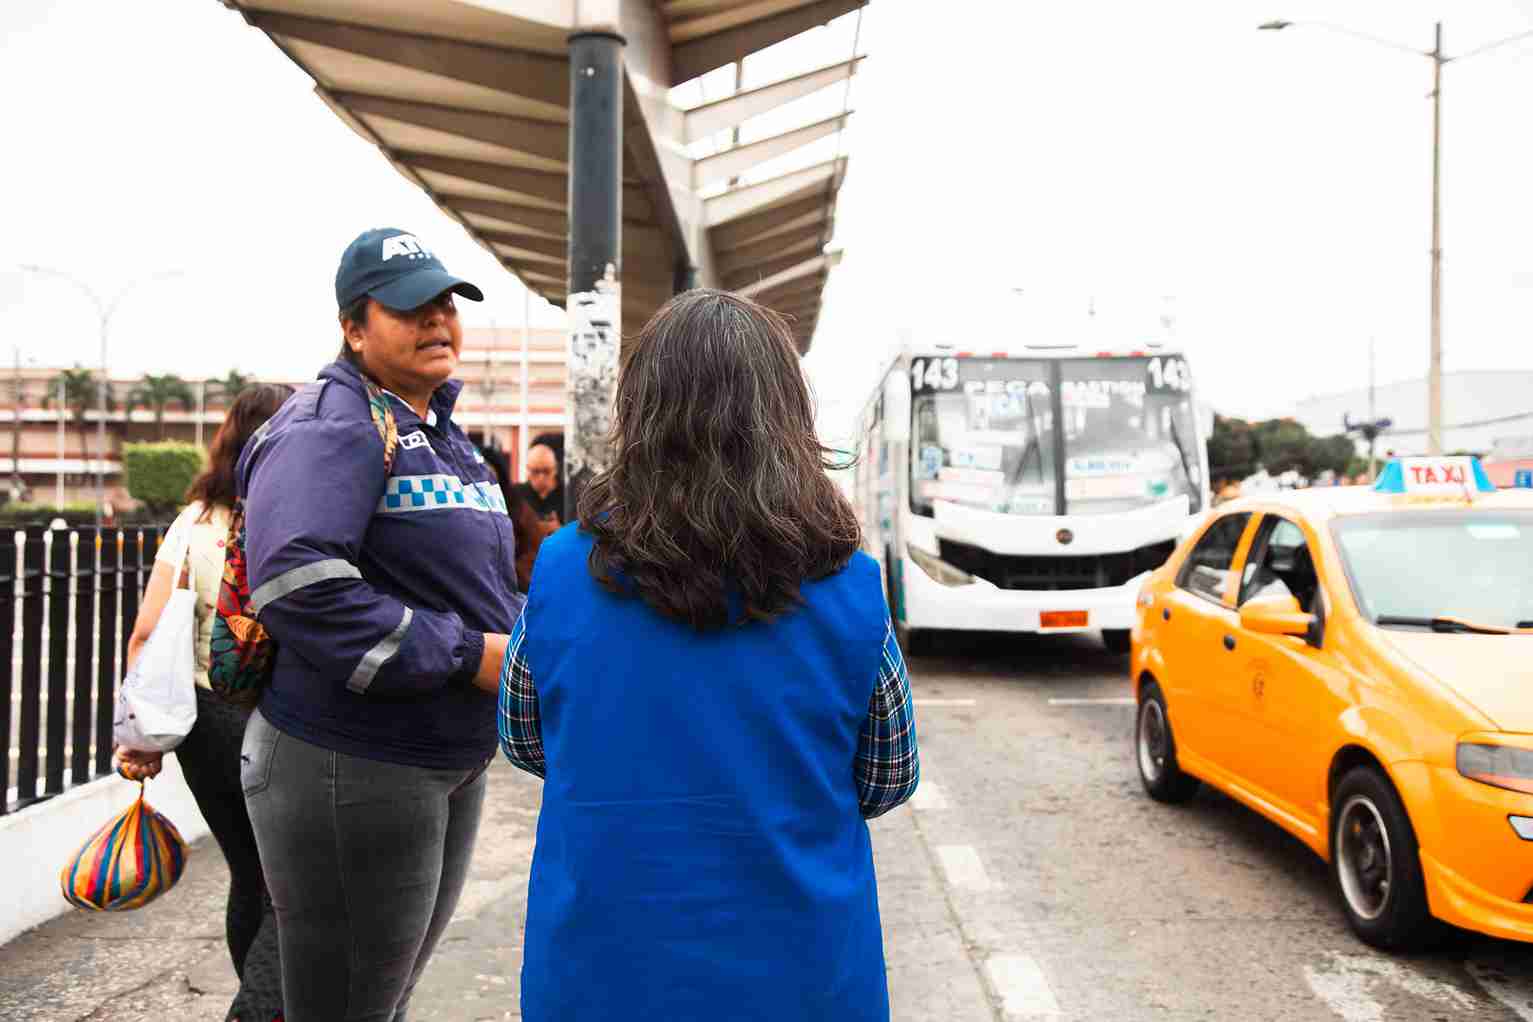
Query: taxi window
[[1414, 568], [1281, 564], [1207, 571]]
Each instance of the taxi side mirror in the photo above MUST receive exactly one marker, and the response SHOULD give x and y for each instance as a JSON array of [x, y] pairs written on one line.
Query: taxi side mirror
[[1276, 615]]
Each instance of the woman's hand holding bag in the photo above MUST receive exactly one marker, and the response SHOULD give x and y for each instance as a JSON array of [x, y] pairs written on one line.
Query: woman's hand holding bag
[[157, 701]]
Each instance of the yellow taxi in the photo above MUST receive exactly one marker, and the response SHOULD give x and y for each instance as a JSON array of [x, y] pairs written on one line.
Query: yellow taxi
[[1356, 664]]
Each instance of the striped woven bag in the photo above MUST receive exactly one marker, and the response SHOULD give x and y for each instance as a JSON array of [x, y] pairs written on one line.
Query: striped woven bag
[[135, 858]]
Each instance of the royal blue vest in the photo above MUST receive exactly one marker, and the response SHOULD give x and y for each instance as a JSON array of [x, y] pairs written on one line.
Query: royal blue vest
[[700, 853]]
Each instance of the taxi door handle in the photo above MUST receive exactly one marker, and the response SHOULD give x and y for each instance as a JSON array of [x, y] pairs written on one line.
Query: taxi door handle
[[1165, 614], [1229, 642]]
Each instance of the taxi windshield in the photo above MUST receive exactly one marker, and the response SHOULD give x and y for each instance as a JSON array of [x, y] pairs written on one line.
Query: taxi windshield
[[1429, 569]]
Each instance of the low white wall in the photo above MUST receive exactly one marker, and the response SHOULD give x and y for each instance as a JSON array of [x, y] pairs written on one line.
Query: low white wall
[[36, 842]]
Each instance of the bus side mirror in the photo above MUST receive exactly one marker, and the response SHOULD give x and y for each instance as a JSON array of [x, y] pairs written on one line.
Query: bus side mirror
[[896, 403]]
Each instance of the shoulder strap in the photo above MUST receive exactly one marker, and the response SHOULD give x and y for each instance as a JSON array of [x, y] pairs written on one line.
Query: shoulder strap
[[383, 419]]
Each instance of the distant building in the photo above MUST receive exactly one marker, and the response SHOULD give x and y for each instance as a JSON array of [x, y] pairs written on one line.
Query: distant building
[[490, 409], [1486, 412]]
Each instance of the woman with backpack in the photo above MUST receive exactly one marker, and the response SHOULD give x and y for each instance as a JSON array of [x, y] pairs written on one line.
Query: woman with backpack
[[380, 560], [210, 754], [707, 677]]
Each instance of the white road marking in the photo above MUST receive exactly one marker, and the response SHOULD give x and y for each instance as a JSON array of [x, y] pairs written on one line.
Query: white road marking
[[1024, 991], [1347, 986], [1508, 977], [944, 702], [1115, 701], [928, 796], [963, 868]]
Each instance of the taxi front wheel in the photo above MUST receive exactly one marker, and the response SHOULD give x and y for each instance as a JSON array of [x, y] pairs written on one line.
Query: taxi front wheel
[[1376, 866], [1155, 750]]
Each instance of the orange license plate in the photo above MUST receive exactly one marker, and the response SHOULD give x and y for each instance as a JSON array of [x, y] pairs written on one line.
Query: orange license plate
[[1062, 619]]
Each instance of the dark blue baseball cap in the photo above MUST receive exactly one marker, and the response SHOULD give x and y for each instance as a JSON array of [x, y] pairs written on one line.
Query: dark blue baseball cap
[[394, 267]]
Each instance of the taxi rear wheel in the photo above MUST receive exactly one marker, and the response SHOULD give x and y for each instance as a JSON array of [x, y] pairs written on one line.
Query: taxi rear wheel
[[1155, 750], [1376, 866]]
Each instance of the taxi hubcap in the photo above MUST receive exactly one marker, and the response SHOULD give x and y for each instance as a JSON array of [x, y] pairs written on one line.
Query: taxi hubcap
[[1154, 740], [1363, 859]]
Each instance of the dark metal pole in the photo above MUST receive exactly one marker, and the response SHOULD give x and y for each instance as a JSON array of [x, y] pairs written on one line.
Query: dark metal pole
[[595, 252]]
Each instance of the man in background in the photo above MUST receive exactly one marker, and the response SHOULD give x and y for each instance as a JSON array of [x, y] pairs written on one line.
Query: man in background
[[542, 490], [544, 497]]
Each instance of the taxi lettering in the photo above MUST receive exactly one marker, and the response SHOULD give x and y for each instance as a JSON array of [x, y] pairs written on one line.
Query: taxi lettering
[[1437, 475]]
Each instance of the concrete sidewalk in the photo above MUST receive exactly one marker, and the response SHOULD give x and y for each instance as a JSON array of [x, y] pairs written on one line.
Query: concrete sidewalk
[[168, 960]]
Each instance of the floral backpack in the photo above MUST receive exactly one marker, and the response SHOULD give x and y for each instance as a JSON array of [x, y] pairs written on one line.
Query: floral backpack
[[242, 652]]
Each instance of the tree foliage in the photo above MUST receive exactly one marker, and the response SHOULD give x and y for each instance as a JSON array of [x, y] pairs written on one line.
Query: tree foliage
[[158, 474], [1231, 449], [155, 392], [1237, 449], [78, 387], [228, 387]]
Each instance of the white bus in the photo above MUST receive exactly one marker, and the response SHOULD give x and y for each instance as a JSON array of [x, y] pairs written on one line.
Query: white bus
[[1027, 490]]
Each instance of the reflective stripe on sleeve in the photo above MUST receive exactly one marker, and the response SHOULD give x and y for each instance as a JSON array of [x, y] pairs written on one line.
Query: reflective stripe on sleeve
[[296, 578], [379, 655]]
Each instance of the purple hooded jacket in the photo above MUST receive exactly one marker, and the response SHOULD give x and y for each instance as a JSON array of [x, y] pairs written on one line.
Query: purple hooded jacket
[[379, 588]]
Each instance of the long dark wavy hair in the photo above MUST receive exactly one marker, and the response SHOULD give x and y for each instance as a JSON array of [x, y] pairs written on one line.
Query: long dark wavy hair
[[254, 405], [717, 488]]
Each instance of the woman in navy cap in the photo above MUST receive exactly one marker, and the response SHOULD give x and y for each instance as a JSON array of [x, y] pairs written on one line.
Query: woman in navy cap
[[382, 562]]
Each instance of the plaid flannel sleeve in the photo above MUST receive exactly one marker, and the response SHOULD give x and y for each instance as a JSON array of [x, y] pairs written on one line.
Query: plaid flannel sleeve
[[520, 726], [888, 762]]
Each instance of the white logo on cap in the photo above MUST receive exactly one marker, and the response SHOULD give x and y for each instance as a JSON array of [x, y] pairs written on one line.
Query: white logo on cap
[[407, 245]]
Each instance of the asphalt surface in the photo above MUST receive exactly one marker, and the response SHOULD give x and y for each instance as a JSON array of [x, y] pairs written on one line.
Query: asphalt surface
[[1030, 879]]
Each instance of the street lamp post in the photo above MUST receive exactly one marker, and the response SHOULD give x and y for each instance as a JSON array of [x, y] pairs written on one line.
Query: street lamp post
[[104, 313], [1438, 59]]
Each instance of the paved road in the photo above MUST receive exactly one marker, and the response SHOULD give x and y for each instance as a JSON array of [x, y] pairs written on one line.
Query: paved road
[[1030, 880]]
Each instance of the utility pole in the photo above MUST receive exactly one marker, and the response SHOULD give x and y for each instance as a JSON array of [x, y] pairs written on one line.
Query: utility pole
[[202, 401], [523, 440], [1369, 429], [58, 494], [1435, 361], [17, 486], [1438, 59], [487, 384], [595, 251], [104, 313]]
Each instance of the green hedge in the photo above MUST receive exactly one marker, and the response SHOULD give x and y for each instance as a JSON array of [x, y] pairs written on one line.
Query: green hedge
[[158, 474], [75, 513]]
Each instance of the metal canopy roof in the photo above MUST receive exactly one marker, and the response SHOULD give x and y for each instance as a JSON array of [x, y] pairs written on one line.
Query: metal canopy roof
[[469, 100]]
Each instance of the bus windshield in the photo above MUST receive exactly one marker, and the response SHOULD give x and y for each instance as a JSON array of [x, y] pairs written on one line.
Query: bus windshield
[[983, 434]]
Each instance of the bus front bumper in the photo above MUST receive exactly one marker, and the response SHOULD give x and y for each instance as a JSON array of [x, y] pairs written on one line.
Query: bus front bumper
[[983, 607]]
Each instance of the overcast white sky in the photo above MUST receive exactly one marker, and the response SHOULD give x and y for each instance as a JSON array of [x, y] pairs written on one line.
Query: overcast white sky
[[1275, 185]]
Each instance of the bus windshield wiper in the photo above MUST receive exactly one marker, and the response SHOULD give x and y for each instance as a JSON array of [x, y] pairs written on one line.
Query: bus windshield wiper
[[1181, 451], [1444, 624]]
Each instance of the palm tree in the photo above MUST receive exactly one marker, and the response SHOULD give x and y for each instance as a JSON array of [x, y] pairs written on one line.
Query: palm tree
[[78, 387], [158, 391], [230, 385]]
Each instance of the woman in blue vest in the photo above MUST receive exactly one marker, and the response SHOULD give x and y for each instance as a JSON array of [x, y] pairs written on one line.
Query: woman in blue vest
[[706, 677]]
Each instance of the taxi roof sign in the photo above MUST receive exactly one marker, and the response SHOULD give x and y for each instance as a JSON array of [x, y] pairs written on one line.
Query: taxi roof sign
[[1459, 476]]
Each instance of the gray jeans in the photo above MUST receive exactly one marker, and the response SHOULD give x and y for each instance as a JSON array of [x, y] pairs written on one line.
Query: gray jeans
[[364, 860]]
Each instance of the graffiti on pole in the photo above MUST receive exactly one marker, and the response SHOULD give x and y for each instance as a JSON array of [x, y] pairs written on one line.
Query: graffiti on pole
[[595, 338]]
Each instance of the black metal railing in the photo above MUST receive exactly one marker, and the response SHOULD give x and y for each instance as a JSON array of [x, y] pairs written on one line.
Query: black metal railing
[[67, 606]]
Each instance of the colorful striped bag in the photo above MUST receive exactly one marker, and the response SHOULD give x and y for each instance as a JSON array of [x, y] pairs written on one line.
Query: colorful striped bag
[[134, 859]]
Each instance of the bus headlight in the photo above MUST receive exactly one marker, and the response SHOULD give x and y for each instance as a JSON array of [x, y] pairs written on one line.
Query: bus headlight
[[940, 571], [1502, 766]]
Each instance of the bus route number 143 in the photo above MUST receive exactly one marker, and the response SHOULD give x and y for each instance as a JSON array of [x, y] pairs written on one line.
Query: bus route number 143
[[934, 374]]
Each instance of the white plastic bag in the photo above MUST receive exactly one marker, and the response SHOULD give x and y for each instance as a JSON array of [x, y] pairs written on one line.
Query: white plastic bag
[[157, 701]]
